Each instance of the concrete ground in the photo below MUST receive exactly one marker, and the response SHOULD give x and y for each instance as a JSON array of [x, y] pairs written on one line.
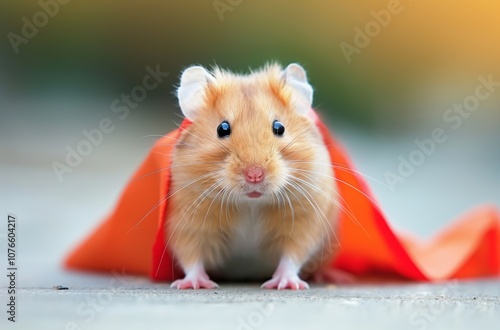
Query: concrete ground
[[53, 216], [416, 306]]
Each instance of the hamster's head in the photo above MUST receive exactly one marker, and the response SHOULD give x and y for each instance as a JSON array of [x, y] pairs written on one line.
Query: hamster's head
[[250, 137]]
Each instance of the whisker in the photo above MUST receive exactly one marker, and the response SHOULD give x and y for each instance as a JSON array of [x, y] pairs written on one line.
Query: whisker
[[213, 200], [230, 199], [293, 213], [343, 168], [224, 198], [349, 211], [184, 224], [319, 213], [289, 144], [167, 196], [317, 189], [298, 199], [356, 189], [281, 198], [171, 235], [204, 195], [173, 166], [224, 189]]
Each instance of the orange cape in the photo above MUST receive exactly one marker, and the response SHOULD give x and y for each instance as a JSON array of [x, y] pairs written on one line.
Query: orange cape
[[132, 240]]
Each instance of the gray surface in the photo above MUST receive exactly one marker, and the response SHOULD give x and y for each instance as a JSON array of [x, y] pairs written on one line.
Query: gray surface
[[447, 306], [54, 216]]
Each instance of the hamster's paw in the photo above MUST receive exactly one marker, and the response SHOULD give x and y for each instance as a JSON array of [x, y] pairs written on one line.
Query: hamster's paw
[[285, 281], [196, 278], [194, 283]]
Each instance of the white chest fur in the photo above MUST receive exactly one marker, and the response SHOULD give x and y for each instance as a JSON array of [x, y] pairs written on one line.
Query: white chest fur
[[247, 258]]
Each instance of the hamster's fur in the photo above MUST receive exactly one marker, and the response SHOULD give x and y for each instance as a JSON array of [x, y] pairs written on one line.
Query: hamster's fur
[[250, 203]]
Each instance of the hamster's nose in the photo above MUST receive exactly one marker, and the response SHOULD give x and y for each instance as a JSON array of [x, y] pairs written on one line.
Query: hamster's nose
[[254, 174]]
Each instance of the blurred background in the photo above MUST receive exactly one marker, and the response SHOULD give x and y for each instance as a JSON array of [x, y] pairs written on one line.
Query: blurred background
[[379, 90]]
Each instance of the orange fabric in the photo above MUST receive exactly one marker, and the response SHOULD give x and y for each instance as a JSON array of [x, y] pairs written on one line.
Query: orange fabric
[[131, 239]]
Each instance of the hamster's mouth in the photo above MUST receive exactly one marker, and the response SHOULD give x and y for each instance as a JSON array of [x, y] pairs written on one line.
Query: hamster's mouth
[[254, 194]]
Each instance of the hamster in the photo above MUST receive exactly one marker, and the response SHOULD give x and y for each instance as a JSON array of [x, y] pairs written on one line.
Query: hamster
[[253, 191]]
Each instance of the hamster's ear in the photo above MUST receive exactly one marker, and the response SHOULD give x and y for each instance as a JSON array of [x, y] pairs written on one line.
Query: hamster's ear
[[191, 92], [295, 76]]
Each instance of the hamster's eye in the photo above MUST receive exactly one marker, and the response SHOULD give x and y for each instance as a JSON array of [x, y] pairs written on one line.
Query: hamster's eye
[[223, 130], [278, 128]]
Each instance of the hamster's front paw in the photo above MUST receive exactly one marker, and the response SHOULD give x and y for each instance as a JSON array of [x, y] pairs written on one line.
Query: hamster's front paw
[[285, 281], [196, 278], [194, 283]]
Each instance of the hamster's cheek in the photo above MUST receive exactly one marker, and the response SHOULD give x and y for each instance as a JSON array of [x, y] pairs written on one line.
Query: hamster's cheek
[[233, 172], [278, 172]]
